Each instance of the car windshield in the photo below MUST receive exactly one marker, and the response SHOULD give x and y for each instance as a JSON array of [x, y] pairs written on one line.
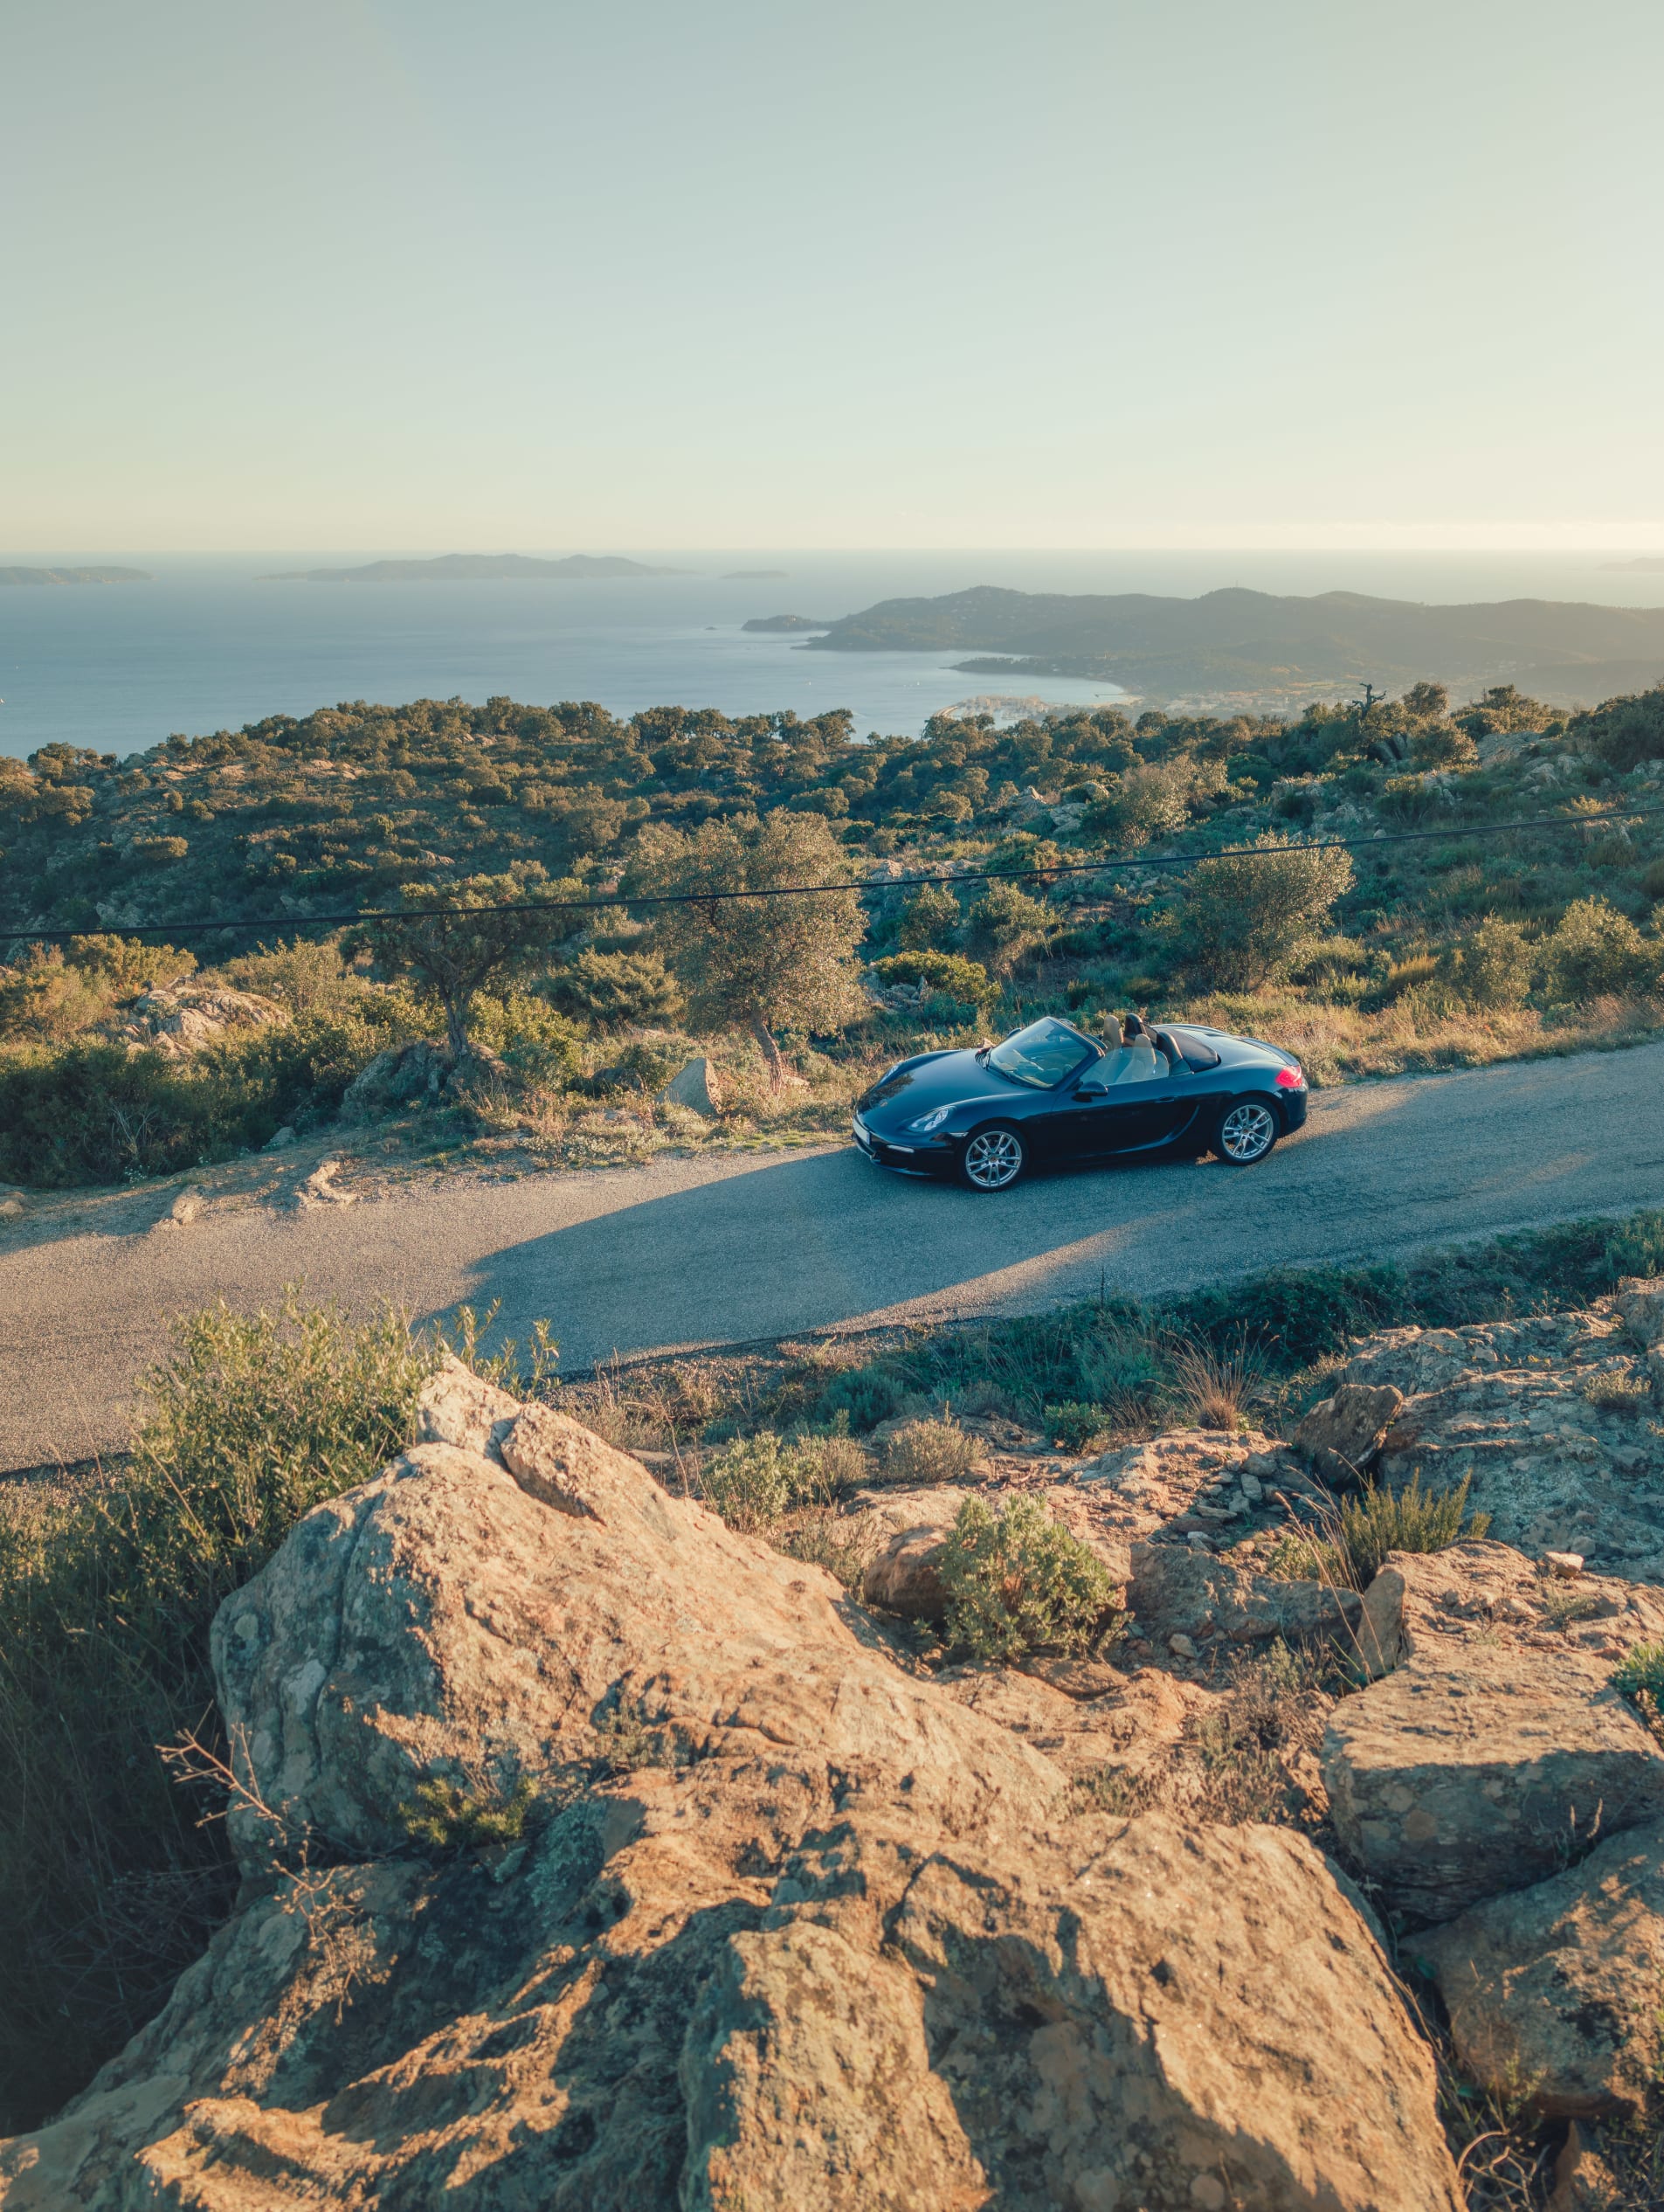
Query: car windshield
[[1040, 1056]]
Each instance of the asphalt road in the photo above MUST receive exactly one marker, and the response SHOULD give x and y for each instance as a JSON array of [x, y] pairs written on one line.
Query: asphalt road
[[689, 1253]]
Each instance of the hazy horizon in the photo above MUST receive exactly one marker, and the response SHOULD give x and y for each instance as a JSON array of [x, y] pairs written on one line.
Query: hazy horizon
[[1115, 277]]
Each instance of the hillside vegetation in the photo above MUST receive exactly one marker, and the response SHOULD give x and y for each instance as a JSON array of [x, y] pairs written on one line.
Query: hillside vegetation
[[1451, 949]]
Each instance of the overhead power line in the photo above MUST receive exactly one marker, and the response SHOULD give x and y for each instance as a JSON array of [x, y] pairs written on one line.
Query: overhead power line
[[615, 900]]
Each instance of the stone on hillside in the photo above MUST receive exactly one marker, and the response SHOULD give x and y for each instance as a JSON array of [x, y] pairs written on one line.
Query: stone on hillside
[[413, 1075], [1342, 1435], [695, 1087], [12, 1201], [279, 1140], [1556, 1988], [188, 1206], [1188, 1591], [1639, 1301], [772, 1918], [1471, 1772], [180, 1019]]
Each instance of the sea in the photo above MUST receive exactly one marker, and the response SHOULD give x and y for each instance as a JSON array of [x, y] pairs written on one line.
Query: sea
[[211, 644]]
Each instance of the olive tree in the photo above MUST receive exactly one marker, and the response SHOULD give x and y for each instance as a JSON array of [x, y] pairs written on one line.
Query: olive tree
[[1250, 915], [451, 940], [749, 962]]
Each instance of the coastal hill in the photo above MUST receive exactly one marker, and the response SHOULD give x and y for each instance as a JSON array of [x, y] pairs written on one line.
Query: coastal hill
[[1254, 647], [470, 568], [76, 576]]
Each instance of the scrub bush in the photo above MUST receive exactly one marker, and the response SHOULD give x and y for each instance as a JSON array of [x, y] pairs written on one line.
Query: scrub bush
[[109, 1883], [1595, 951], [1017, 1582], [928, 1452]]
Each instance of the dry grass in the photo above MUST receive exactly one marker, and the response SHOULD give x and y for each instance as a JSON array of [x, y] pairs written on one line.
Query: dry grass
[[1424, 1028], [1212, 1389]]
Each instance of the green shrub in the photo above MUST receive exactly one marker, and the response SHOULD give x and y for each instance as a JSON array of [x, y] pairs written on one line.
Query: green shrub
[[755, 1480], [955, 978], [616, 991], [1075, 1426], [1003, 925], [1017, 1581], [930, 918], [1374, 1522], [93, 1113], [1595, 950], [932, 1451], [1495, 965], [109, 1883], [1653, 881], [864, 1395], [1641, 1673]]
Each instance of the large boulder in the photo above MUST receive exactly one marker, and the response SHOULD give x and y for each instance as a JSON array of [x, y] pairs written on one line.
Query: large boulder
[[1474, 1771], [1555, 1990], [599, 1857]]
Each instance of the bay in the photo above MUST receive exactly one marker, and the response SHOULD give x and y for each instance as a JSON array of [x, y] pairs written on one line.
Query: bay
[[210, 644]]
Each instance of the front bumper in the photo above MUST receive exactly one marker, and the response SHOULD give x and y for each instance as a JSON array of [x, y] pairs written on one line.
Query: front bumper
[[923, 1155]]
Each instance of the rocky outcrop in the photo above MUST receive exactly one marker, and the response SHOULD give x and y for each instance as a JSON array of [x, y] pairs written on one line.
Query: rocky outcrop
[[598, 1857], [1463, 1774], [1482, 1591], [181, 1019], [1554, 1419], [1554, 1991]]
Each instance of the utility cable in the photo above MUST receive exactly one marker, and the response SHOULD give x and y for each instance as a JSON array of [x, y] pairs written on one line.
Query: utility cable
[[617, 900]]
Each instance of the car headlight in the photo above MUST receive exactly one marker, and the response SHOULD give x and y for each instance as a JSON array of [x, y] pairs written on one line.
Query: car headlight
[[926, 1123]]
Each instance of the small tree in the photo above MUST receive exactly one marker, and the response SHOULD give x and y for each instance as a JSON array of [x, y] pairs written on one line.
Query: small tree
[[453, 939], [1250, 916], [754, 963]]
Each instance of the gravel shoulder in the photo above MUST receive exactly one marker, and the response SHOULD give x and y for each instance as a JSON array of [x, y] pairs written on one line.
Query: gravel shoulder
[[698, 1252]]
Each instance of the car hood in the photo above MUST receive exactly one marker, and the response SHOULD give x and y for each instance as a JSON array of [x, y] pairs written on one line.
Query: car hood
[[934, 1079]]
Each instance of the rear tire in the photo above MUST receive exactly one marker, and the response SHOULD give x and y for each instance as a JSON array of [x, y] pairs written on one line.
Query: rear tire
[[994, 1158], [1246, 1132]]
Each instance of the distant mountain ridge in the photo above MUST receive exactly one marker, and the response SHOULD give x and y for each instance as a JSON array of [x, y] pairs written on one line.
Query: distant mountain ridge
[[1260, 645], [452, 568], [76, 576]]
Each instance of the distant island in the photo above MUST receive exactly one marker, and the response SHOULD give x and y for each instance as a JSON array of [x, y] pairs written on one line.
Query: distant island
[[1646, 564], [76, 576], [785, 622], [470, 568], [754, 575], [1257, 652]]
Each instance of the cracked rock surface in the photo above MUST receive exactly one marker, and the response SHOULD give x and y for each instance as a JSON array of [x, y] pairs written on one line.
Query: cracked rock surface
[[782, 1922]]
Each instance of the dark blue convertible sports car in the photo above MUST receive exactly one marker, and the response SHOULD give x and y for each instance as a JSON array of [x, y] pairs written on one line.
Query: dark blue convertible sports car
[[1050, 1093]]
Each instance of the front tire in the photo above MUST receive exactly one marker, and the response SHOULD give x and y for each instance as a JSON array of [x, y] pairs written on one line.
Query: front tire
[[993, 1160], [1245, 1133]]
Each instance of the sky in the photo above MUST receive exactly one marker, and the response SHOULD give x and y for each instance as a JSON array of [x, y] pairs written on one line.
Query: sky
[[396, 274]]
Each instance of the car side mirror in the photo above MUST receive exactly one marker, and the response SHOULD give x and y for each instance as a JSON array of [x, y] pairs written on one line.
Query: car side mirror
[[1091, 1090]]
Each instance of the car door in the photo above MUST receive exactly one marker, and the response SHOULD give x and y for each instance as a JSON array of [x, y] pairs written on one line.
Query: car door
[[1129, 1117]]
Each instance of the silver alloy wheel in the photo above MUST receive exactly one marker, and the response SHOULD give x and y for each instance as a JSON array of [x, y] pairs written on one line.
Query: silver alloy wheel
[[993, 1160], [1247, 1133]]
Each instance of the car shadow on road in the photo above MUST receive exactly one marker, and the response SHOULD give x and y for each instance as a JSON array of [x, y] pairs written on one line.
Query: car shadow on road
[[828, 1241]]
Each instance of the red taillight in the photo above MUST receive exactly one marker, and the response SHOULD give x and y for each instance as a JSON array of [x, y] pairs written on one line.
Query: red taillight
[[1290, 1079]]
